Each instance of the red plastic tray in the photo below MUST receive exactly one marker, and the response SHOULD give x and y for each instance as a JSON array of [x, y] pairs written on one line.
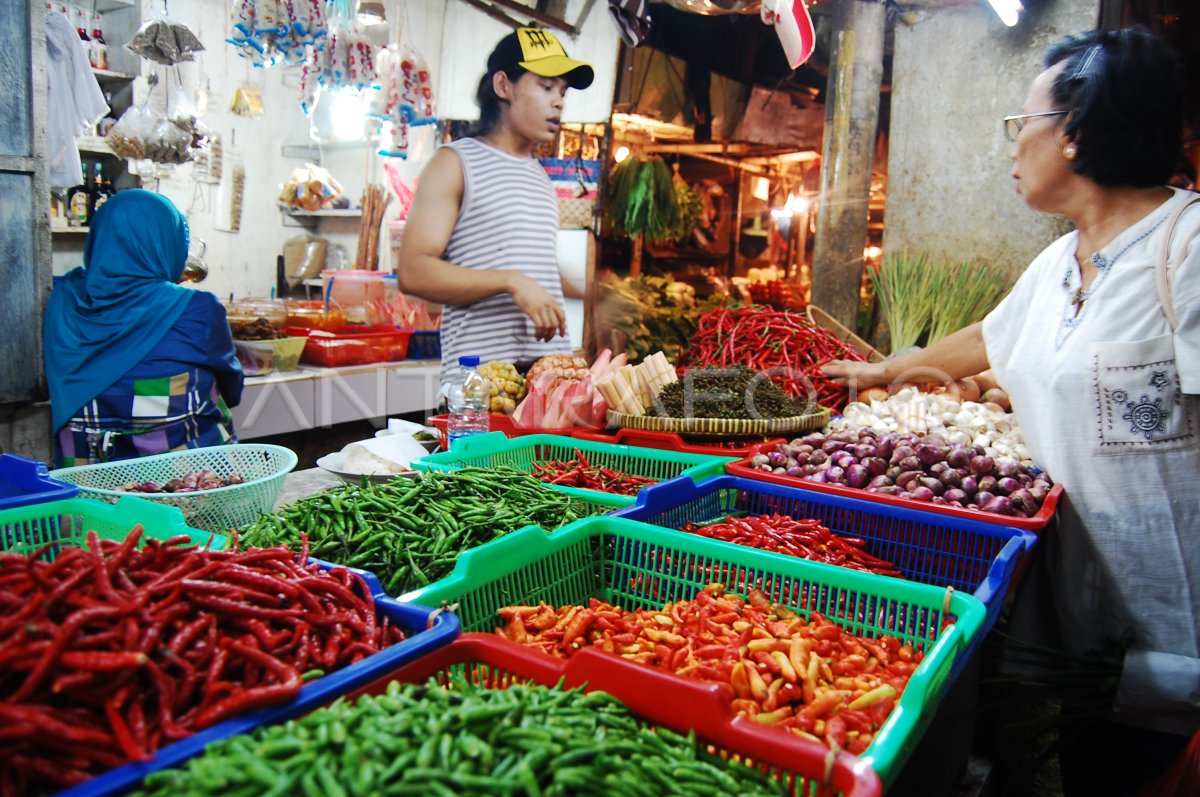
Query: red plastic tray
[[353, 345], [502, 423], [662, 699], [669, 441], [1036, 523]]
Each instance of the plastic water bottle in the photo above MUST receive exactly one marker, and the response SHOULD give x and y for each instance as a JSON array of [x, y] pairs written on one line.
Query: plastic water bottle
[[466, 401]]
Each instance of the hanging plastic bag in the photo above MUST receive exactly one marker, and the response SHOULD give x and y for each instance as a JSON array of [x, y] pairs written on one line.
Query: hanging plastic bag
[[165, 41], [127, 137], [405, 98], [267, 32]]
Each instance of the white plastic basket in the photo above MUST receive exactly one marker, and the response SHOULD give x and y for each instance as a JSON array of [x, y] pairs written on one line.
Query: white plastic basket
[[262, 468]]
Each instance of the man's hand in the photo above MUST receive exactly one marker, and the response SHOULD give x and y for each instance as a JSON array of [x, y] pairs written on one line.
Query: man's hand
[[537, 303], [849, 373]]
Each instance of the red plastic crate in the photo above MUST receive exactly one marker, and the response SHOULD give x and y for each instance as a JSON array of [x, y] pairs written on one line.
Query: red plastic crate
[[669, 701], [669, 441], [504, 423], [353, 345], [1036, 523]]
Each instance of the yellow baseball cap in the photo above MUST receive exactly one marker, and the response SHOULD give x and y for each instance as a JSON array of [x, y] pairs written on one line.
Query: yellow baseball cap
[[538, 51]]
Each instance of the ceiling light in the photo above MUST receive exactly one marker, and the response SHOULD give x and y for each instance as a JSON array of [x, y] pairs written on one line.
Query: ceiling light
[[621, 154], [1009, 11]]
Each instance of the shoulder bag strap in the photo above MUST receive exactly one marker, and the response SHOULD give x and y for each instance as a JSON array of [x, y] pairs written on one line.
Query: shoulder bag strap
[[1162, 267]]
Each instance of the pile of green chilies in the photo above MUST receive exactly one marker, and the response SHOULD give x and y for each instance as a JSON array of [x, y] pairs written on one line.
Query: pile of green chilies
[[466, 739], [409, 532]]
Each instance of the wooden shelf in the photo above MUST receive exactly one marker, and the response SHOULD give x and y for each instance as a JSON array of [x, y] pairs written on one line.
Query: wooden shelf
[[337, 213], [93, 144], [107, 74], [69, 230], [112, 5]]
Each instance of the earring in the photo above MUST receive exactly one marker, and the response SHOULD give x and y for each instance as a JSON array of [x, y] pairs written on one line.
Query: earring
[[1070, 152]]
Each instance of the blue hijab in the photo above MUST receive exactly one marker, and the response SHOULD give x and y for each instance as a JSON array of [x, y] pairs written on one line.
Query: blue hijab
[[108, 314]]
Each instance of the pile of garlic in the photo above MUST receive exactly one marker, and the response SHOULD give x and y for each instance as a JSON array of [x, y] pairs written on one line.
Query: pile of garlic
[[964, 423]]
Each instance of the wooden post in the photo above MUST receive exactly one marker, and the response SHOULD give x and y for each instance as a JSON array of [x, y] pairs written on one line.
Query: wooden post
[[635, 257], [851, 122]]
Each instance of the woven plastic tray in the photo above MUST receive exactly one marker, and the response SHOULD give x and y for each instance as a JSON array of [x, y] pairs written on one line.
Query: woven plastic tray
[[1036, 523], [723, 427], [634, 565], [66, 523], [669, 441], [26, 481], [680, 705], [495, 450], [423, 636], [979, 558], [262, 468]]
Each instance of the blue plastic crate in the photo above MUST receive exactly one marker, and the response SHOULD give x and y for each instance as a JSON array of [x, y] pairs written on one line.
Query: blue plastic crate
[[945, 551], [26, 481], [423, 637], [425, 345]]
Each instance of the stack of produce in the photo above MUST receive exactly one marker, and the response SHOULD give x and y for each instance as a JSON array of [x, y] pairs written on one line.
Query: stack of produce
[[923, 468], [560, 393], [110, 652], [910, 411], [631, 389], [411, 532], [726, 393], [464, 738], [778, 294], [803, 538], [506, 387], [807, 676], [578, 472], [644, 314], [787, 345], [188, 483]]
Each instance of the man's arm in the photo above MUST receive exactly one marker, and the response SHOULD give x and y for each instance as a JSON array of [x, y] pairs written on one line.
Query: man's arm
[[423, 272]]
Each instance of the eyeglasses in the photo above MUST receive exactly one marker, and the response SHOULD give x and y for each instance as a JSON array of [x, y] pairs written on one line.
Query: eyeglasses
[[1013, 125]]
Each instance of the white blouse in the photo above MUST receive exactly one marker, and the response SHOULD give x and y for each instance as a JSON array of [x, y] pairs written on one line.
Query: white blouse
[[1109, 401]]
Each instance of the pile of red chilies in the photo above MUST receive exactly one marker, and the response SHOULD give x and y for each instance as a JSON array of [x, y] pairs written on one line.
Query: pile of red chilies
[[763, 339], [109, 652], [579, 472], [806, 539]]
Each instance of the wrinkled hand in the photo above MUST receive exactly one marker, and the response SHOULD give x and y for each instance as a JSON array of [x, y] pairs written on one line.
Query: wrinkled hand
[[537, 303], [848, 373]]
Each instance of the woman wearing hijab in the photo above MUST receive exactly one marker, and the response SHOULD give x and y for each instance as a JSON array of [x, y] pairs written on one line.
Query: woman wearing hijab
[[136, 363]]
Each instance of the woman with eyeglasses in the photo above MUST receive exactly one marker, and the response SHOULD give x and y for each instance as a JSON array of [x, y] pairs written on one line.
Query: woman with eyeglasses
[[136, 363], [1106, 390]]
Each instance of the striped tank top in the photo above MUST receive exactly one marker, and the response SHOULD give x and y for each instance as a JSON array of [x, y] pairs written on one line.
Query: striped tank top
[[508, 220]]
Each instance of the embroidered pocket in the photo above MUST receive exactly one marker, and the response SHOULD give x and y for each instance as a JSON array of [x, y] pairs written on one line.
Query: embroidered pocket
[[1137, 398]]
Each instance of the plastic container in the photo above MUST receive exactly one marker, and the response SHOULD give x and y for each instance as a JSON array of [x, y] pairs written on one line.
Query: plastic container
[[352, 345], [669, 441], [243, 312], [425, 345], [1036, 523], [26, 481], [312, 315], [682, 706], [979, 558], [466, 395], [634, 565], [353, 287], [262, 467], [66, 523], [256, 357], [495, 450], [425, 633]]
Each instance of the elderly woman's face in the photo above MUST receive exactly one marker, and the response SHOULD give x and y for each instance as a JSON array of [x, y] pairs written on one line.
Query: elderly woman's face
[[1039, 167]]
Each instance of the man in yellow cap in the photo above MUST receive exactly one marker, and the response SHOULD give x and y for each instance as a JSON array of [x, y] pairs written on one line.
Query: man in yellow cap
[[481, 237]]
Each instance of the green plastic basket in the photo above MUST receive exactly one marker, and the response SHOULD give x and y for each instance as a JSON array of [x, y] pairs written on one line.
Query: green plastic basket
[[262, 467], [66, 523], [634, 565], [495, 450]]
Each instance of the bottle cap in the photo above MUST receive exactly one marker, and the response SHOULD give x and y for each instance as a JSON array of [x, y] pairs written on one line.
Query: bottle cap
[[468, 362]]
